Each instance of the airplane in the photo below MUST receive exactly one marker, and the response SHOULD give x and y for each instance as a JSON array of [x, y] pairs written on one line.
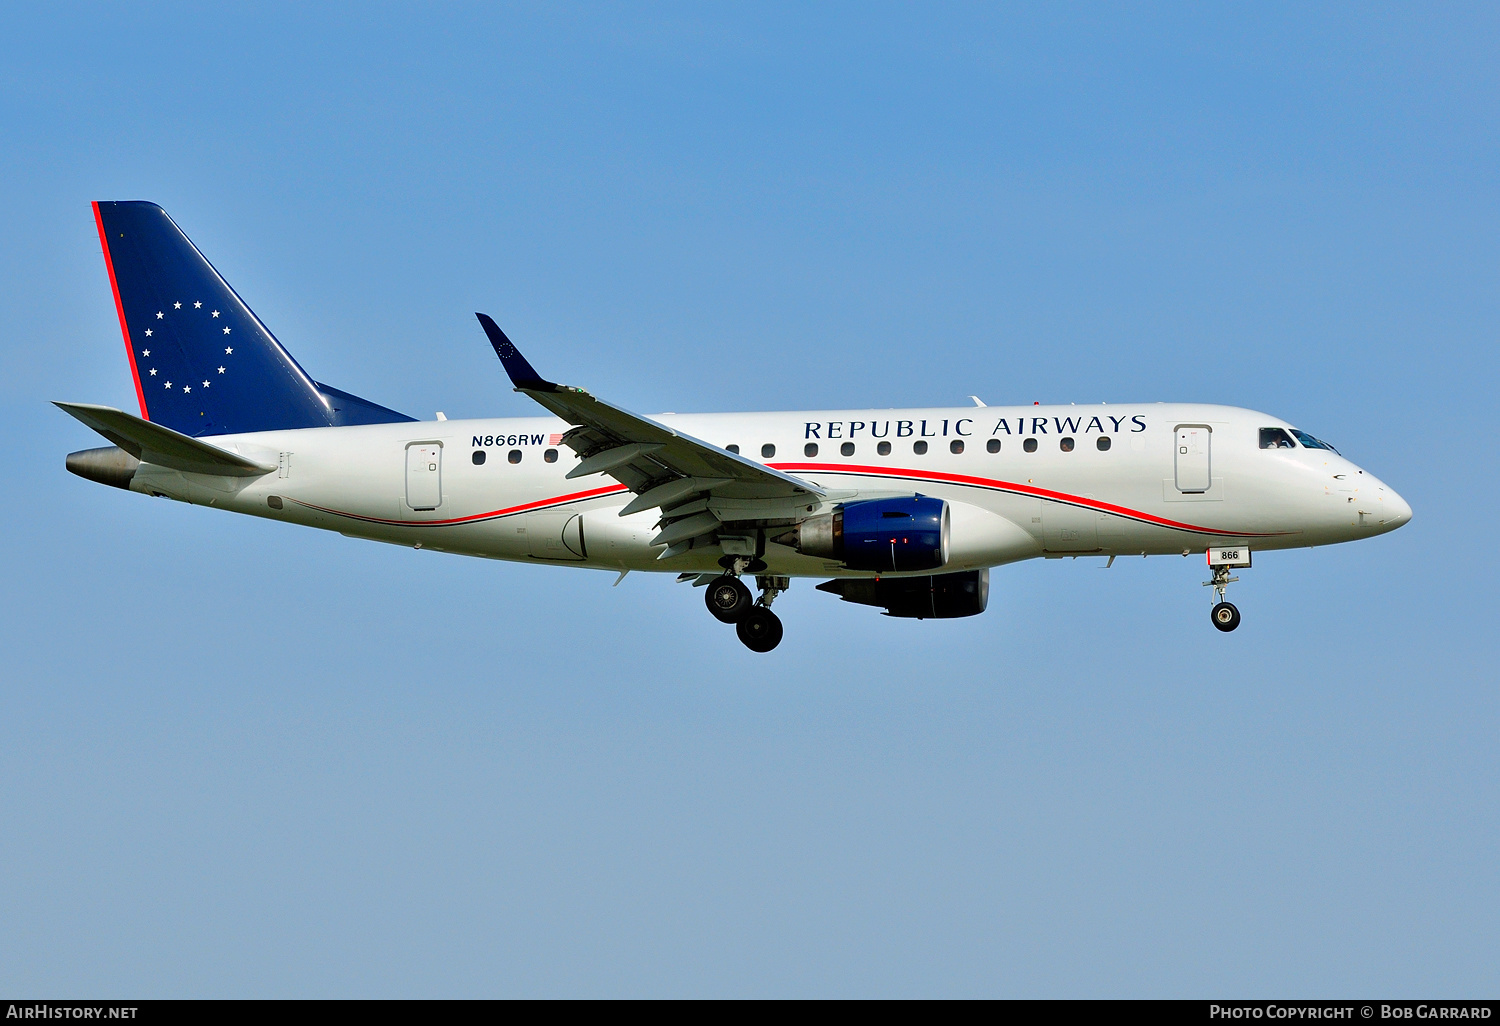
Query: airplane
[[905, 510]]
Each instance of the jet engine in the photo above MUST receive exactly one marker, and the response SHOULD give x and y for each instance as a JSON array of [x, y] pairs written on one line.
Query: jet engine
[[939, 597], [878, 534]]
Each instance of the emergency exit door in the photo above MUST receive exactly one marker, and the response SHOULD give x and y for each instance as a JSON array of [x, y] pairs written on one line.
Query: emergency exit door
[[424, 475], [1194, 459]]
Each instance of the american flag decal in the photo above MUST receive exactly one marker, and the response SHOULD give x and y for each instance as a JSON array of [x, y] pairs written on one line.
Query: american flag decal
[[554, 439]]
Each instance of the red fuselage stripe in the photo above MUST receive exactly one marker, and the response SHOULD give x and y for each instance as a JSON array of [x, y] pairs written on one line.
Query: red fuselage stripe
[[894, 472], [494, 514], [1013, 487], [109, 265]]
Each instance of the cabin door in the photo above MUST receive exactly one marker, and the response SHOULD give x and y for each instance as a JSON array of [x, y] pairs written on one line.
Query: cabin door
[[424, 475], [1193, 458]]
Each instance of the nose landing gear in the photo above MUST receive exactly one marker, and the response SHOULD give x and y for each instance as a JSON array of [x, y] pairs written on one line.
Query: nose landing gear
[[1224, 614]]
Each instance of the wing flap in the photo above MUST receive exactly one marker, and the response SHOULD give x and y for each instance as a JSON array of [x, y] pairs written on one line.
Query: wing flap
[[672, 491], [609, 459], [690, 527]]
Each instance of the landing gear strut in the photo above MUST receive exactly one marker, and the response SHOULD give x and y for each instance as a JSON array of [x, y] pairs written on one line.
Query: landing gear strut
[[760, 630], [1224, 615]]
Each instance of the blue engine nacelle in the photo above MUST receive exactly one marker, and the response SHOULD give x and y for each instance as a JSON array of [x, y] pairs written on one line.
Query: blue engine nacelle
[[878, 534]]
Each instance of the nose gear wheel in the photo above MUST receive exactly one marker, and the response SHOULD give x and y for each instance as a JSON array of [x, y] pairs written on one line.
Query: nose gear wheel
[[1225, 616]]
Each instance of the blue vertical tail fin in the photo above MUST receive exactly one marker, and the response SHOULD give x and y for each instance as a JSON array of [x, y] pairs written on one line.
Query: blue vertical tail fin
[[204, 364]]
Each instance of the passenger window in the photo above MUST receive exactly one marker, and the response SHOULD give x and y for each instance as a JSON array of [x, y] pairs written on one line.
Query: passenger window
[[1275, 438], [993, 445], [847, 448], [478, 457], [884, 448], [1103, 443], [1066, 445], [767, 451], [550, 455], [956, 446], [514, 455], [810, 449], [1029, 445], [920, 448], [733, 448]]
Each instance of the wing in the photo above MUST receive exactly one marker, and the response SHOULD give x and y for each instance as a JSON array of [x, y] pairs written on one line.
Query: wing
[[702, 490]]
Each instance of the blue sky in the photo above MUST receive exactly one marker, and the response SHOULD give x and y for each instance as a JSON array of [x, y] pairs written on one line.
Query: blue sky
[[242, 759]]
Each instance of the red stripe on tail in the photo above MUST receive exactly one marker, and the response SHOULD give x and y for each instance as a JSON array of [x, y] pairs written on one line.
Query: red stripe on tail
[[109, 265]]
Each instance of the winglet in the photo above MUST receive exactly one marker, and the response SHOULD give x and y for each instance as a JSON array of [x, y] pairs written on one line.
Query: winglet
[[522, 374]]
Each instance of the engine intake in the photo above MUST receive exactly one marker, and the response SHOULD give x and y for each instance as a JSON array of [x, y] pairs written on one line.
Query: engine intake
[[939, 597], [878, 534]]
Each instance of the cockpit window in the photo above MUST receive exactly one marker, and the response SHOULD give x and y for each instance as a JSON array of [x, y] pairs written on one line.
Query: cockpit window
[[1275, 438], [1311, 442]]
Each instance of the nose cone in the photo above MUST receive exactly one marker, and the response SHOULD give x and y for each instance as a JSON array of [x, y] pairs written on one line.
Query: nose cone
[[1398, 510], [1380, 507]]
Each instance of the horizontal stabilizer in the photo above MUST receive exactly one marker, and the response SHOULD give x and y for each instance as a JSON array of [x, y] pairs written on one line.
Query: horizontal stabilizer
[[153, 443]]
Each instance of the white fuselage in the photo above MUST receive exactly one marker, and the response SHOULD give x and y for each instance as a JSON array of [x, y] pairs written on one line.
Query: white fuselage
[[1174, 478]]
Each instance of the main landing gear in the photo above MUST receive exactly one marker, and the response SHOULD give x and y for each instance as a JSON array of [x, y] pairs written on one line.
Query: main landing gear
[[760, 630], [729, 601], [1224, 614]]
